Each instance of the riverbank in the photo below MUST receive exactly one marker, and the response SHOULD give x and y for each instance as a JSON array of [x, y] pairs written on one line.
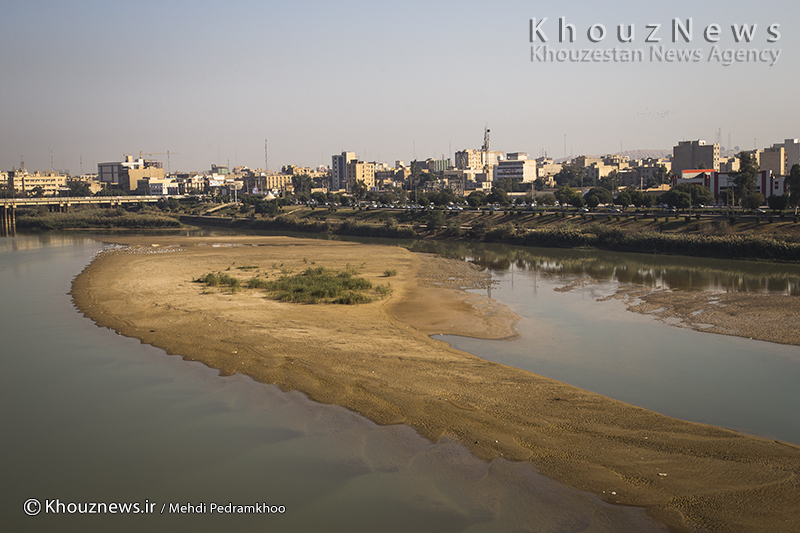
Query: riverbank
[[378, 360]]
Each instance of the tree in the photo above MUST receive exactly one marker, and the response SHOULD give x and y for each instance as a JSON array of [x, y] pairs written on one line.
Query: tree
[[778, 202], [498, 196], [477, 199], [546, 199], [660, 176], [597, 196], [677, 198], [444, 197], [567, 195], [700, 194], [745, 179], [79, 188], [753, 200], [267, 207], [623, 199], [359, 190], [794, 184], [436, 219], [319, 197], [570, 175], [302, 183], [37, 191], [388, 197]]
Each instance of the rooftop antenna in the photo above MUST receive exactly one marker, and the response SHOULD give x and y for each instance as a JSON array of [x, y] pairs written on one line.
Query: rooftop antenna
[[266, 158]]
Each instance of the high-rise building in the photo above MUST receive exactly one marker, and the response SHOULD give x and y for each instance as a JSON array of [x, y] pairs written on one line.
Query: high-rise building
[[339, 170], [360, 171], [691, 155], [791, 153], [774, 159]]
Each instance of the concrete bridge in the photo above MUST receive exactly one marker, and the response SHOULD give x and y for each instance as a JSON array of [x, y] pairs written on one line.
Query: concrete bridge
[[8, 206]]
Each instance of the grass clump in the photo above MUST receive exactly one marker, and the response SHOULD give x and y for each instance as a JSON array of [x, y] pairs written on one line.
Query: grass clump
[[257, 283], [389, 273], [315, 285], [220, 280]]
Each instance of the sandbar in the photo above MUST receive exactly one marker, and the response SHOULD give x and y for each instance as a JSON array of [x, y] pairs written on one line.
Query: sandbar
[[377, 359]]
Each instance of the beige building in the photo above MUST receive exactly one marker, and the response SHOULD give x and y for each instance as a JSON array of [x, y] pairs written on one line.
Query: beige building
[[127, 174], [774, 159], [360, 171], [263, 182], [729, 164], [547, 168], [516, 166], [20, 181], [595, 171], [694, 155], [477, 159]]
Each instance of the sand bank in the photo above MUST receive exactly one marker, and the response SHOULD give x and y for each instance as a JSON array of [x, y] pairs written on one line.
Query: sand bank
[[765, 317], [378, 360]]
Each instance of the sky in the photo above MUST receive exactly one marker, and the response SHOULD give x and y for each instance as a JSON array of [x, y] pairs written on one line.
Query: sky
[[87, 81]]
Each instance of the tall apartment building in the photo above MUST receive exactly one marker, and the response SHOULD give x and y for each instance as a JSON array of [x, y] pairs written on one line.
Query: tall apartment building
[[477, 159], [467, 159], [339, 170], [691, 155], [360, 171], [774, 159], [791, 151]]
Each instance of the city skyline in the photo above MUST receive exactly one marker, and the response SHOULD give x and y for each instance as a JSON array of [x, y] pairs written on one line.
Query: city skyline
[[209, 82]]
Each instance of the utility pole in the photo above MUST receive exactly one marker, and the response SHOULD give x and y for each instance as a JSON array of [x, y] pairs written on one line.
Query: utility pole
[[266, 158]]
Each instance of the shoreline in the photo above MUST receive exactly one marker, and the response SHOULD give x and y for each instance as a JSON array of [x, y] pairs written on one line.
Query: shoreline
[[378, 360]]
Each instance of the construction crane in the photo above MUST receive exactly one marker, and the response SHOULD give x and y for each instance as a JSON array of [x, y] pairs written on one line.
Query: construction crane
[[167, 153]]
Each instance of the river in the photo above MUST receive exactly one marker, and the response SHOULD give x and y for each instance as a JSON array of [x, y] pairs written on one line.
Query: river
[[93, 421]]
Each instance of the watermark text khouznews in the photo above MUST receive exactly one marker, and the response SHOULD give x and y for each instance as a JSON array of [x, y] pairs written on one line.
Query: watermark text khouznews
[[679, 41], [34, 507]]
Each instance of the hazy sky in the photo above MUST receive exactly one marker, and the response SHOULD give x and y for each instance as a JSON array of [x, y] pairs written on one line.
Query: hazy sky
[[210, 81]]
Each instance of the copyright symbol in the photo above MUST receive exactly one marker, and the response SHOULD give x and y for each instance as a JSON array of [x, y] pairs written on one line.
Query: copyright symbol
[[32, 507]]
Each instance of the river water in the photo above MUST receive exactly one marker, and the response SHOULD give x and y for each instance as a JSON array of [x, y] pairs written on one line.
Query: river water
[[90, 417], [742, 384]]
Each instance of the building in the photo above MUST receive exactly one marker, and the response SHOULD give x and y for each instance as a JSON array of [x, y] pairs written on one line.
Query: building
[[128, 174], [774, 160], [470, 159], [718, 182], [49, 182], [360, 171], [516, 166], [688, 155], [339, 170], [791, 150], [547, 169], [262, 182]]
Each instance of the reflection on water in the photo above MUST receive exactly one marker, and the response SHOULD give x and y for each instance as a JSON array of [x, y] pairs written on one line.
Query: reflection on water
[[90, 416], [570, 336], [674, 272]]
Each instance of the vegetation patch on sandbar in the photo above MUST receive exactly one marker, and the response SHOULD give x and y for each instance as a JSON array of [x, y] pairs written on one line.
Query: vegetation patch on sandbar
[[313, 285]]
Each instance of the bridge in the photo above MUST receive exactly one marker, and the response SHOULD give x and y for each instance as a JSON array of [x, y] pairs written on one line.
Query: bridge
[[8, 206]]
